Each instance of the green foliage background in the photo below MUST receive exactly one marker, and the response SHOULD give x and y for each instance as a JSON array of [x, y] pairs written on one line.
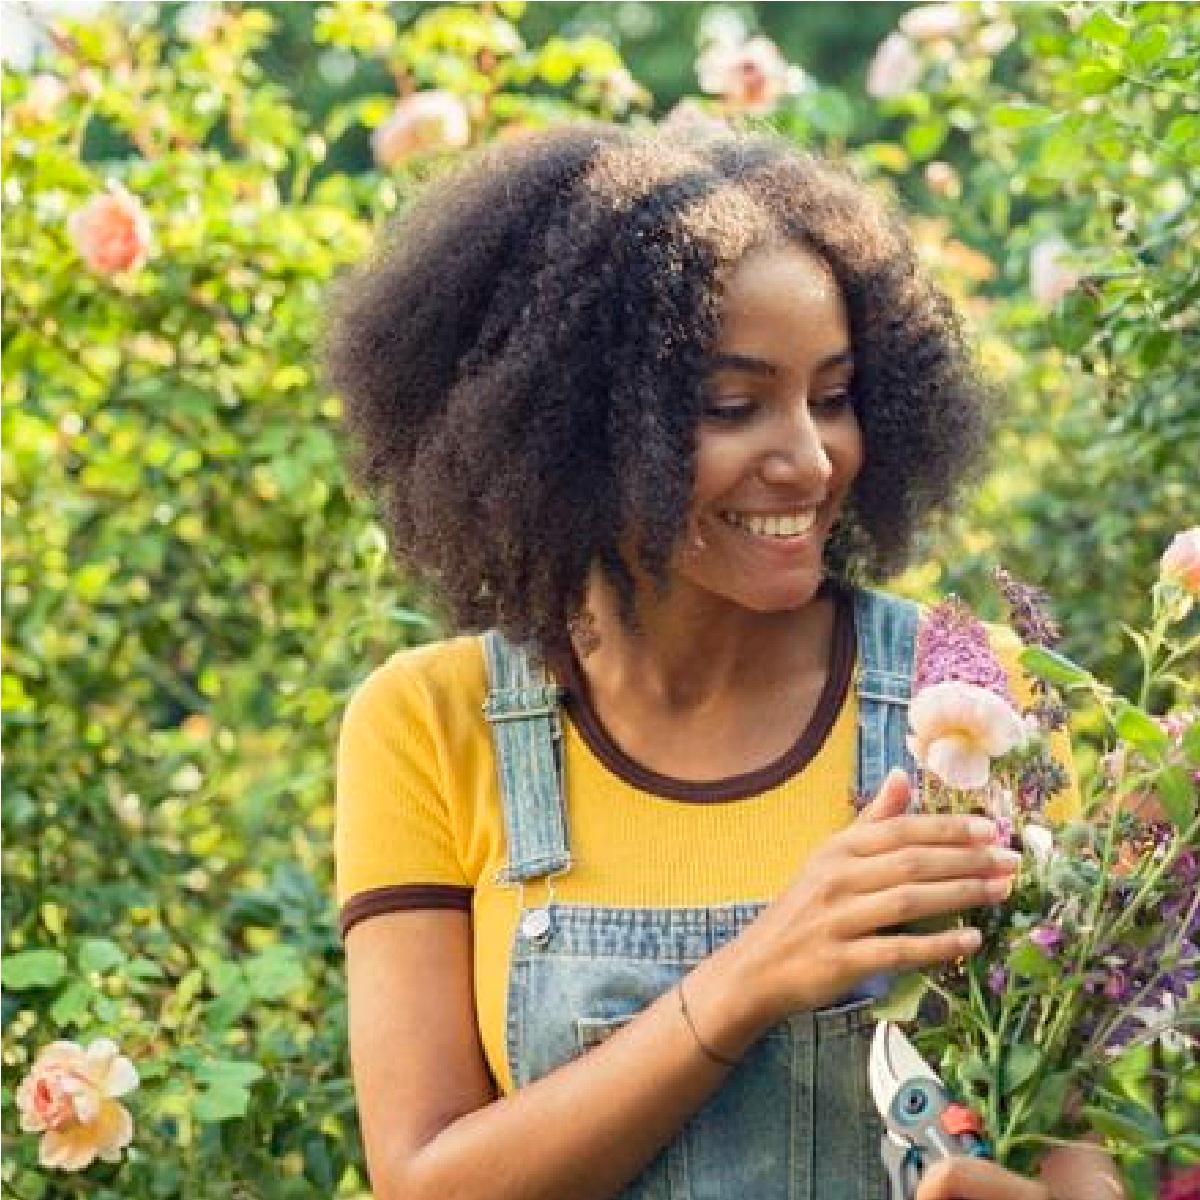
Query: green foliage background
[[192, 592]]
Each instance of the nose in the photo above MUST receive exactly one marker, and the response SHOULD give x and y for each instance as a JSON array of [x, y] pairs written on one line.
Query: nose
[[797, 455]]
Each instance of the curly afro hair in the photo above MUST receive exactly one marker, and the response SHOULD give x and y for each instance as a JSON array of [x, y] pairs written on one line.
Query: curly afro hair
[[522, 363]]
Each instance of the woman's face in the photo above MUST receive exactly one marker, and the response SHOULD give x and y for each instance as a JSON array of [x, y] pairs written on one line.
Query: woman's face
[[779, 443]]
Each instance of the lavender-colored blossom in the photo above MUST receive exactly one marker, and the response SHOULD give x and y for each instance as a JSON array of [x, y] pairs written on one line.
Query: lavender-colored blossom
[[1117, 986], [1040, 778], [997, 979], [1046, 937], [952, 644], [1029, 611]]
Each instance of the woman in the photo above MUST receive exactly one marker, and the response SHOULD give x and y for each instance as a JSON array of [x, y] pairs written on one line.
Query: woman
[[645, 412]]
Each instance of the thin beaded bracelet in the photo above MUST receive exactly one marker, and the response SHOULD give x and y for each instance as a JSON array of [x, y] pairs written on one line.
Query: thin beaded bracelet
[[687, 1016]]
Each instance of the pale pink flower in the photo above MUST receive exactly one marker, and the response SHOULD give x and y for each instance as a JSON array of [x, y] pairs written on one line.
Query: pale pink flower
[[419, 124], [927, 22], [689, 120], [943, 180], [620, 91], [69, 1097], [895, 69], [1180, 562], [992, 38], [958, 728], [112, 231], [750, 77], [1039, 841], [1050, 278], [45, 95]]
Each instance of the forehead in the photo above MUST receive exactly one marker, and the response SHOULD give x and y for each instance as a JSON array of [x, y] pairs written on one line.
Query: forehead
[[783, 292]]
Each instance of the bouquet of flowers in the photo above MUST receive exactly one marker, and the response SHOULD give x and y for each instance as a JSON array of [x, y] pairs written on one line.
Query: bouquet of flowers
[[1097, 949]]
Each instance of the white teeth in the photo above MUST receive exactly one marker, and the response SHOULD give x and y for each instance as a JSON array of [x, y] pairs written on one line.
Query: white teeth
[[792, 525]]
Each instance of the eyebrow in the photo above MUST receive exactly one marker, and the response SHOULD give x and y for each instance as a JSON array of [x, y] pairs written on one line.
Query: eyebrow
[[760, 366]]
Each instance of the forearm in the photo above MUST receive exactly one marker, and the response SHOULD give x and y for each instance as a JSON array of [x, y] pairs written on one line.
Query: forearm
[[586, 1129]]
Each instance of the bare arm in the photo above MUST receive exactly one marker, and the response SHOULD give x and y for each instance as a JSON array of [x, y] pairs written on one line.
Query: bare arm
[[431, 1123]]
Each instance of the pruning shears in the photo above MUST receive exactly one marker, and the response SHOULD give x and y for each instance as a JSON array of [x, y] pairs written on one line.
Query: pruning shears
[[922, 1123]]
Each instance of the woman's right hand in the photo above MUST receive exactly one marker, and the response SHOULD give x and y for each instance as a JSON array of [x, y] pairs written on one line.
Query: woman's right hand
[[825, 933]]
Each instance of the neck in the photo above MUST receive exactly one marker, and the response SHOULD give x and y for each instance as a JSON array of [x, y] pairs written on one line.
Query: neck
[[693, 654]]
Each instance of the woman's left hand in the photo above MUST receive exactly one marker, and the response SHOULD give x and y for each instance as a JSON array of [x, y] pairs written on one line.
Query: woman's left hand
[[1078, 1172]]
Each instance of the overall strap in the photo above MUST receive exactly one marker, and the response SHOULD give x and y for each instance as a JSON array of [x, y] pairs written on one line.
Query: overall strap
[[522, 707], [885, 627]]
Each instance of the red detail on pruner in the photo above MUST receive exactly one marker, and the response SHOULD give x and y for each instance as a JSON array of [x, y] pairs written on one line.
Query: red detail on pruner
[[958, 1119]]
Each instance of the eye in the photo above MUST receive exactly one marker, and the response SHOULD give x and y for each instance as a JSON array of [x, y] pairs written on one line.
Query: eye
[[832, 403], [728, 411]]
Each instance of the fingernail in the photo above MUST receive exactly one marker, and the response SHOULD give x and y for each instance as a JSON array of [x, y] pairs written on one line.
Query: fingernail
[[1004, 857], [982, 829], [970, 939]]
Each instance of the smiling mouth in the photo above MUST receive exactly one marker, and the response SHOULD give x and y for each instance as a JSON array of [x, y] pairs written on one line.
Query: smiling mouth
[[782, 526]]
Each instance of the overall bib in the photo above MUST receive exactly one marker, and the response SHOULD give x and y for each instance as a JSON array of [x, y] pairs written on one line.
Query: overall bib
[[794, 1120]]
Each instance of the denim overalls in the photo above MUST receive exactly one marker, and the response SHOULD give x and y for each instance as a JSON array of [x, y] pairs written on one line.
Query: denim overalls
[[794, 1119]]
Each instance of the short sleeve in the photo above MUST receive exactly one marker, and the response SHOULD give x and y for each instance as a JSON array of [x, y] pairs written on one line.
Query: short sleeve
[[394, 845], [1066, 804]]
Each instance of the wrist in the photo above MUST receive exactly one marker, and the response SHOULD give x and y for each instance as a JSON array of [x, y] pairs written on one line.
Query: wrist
[[725, 1010]]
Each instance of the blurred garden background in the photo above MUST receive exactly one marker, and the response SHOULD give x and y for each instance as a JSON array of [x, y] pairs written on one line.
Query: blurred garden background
[[191, 591]]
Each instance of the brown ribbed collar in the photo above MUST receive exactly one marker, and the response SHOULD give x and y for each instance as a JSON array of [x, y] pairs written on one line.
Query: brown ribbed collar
[[578, 704]]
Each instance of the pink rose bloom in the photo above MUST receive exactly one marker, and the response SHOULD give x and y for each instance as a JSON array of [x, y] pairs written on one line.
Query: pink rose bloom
[[112, 231], [691, 121], [45, 95], [1181, 561], [750, 77], [895, 69], [927, 22], [958, 728], [419, 124], [993, 38], [1050, 279], [943, 180], [69, 1097]]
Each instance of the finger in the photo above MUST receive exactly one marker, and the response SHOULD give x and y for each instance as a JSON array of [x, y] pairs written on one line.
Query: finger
[[891, 799], [926, 864], [885, 953], [869, 913], [977, 1179], [878, 837]]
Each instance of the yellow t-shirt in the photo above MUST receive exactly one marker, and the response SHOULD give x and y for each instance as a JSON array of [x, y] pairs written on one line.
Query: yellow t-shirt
[[419, 820]]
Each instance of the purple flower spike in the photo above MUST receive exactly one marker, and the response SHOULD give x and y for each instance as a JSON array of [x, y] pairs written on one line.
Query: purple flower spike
[[1046, 937], [997, 979], [952, 644]]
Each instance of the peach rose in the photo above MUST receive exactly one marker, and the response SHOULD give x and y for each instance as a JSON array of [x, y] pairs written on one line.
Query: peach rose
[[419, 124], [895, 69], [751, 77], [45, 96], [958, 728], [1050, 279], [112, 231], [69, 1097], [1180, 562]]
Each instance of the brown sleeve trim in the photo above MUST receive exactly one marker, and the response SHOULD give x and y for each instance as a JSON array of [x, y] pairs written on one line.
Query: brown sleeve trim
[[399, 896]]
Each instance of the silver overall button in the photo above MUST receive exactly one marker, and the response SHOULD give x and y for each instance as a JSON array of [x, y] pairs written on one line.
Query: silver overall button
[[535, 924]]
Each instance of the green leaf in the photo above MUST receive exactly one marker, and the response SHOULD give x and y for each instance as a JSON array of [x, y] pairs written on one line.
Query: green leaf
[[34, 968], [1052, 667], [1019, 1063], [228, 1071], [72, 1005], [274, 973], [1102, 26], [221, 1103], [100, 954], [1027, 959], [903, 1000], [1139, 729], [1049, 1099], [923, 139], [1191, 743], [1150, 45], [1020, 116], [1124, 1120], [1177, 792]]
